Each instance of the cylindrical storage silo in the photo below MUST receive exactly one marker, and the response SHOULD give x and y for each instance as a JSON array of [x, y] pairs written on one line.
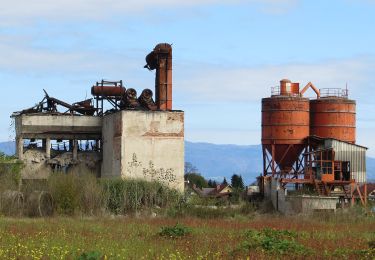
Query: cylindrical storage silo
[[333, 117], [285, 124]]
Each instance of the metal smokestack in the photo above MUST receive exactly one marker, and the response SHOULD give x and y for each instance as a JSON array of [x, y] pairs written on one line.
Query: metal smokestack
[[161, 60]]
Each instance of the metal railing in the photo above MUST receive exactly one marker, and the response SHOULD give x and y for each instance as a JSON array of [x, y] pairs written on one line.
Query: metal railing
[[334, 92], [276, 91]]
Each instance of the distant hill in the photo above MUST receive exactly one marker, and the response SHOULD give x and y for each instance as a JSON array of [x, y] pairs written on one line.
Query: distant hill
[[216, 161], [9, 148]]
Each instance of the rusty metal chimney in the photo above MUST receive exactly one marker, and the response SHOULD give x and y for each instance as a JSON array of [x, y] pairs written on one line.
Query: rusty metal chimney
[[161, 60]]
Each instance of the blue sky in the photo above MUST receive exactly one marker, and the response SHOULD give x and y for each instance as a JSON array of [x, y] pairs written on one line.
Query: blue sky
[[227, 55]]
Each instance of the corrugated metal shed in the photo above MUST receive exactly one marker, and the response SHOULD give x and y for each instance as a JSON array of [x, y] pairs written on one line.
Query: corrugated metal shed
[[356, 154]]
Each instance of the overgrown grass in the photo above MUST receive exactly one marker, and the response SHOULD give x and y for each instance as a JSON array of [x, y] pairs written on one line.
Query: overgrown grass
[[10, 175], [266, 237], [86, 195], [129, 196]]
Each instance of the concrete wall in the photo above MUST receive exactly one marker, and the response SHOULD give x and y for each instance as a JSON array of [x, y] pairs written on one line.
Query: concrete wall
[[145, 144], [296, 204], [307, 204], [111, 144], [58, 126]]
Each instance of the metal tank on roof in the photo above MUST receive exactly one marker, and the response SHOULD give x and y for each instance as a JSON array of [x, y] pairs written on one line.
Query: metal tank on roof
[[333, 115], [285, 124]]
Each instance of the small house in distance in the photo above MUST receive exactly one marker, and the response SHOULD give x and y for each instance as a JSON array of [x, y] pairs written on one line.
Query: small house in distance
[[221, 191]]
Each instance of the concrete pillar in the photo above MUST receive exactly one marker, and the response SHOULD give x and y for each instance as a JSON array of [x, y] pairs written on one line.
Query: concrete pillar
[[75, 149], [19, 150], [48, 147]]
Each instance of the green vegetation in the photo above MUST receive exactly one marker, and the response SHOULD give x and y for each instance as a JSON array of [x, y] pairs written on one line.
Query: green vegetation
[[237, 182], [94, 255], [273, 241], [127, 196], [196, 179], [135, 219], [10, 169], [175, 231], [263, 237], [84, 194]]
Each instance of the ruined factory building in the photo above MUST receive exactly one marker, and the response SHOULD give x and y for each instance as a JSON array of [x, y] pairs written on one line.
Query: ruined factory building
[[136, 138]]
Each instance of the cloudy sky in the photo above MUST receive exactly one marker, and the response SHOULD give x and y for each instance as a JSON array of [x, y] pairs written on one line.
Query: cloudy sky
[[227, 55]]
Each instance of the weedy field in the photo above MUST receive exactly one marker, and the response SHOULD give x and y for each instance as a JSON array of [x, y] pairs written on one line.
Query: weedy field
[[262, 237], [134, 219]]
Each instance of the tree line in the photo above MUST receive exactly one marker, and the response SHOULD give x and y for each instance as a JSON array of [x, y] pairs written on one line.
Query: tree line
[[194, 177]]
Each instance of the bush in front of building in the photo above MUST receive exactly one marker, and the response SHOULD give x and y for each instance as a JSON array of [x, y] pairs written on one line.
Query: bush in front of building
[[134, 195]]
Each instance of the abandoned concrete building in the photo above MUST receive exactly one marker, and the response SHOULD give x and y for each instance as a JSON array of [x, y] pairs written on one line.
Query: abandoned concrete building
[[137, 138]]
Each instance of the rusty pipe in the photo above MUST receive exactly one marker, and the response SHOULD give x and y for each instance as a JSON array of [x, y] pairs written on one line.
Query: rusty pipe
[[108, 91], [310, 85], [161, 60]]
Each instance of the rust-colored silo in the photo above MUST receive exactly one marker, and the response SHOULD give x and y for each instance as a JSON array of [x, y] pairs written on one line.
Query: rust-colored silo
[[333, 115], [285, 124]]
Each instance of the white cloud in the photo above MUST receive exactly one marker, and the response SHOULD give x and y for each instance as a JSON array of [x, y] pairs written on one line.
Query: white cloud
[[23, 58], [22, 11], [92, 9], [215, 83], [219, 87]]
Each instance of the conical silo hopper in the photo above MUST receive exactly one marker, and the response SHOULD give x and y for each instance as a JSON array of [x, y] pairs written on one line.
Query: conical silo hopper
[[285, 124]]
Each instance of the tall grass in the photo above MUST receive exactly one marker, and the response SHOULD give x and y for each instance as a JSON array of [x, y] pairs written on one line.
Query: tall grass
[[128, 196], [10, 173], [85, 194]]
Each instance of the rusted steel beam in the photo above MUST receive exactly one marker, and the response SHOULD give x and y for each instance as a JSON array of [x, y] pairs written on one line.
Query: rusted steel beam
[[360, 195], [301, 181]]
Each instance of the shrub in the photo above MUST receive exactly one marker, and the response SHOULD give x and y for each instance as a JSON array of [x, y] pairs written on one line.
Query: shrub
[[127, 196], [273, 241], [91, 197], [93, 255], [77, 192], [175, 231], [10, 172], [65, 191]]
